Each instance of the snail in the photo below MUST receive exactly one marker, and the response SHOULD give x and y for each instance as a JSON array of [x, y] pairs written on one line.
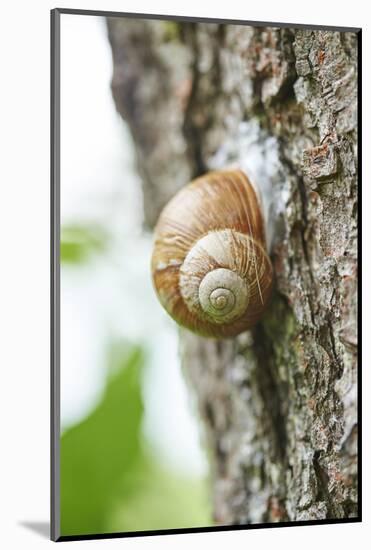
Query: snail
[[210, 267]]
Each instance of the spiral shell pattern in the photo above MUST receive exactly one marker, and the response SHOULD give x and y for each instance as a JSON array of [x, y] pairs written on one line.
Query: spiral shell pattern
[[210, 267]]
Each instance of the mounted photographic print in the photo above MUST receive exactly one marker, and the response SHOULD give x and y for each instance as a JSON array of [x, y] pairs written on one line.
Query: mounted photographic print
[[204, 274]]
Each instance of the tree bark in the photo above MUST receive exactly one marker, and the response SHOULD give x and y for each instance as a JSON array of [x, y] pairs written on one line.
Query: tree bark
[[279, 402]]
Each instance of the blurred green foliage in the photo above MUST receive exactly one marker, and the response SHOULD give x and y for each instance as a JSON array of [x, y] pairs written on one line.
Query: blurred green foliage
[[110, 482], [80, 241], [172, 31]]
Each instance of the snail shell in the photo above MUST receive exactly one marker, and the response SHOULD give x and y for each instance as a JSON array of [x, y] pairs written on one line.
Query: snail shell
[[210, 267]]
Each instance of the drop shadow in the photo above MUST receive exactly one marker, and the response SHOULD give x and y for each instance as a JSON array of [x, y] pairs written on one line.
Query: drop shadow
[[42, 528]]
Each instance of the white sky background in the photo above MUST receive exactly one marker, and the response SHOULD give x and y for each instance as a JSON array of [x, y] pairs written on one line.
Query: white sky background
[[115, 297]]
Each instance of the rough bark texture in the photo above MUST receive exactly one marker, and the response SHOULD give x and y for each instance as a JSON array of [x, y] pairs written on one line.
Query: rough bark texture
[[278, 402]]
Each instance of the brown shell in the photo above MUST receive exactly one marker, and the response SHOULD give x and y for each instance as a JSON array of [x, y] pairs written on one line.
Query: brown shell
[[214, 202]]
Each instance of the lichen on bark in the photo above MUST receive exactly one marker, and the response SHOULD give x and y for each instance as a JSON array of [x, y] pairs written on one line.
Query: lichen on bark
[[279, 402]]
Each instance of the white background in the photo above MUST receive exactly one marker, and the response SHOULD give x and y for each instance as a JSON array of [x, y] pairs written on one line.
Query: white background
[[24, 274]]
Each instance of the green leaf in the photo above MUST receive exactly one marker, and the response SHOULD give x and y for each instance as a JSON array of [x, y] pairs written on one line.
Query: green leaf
[[110, 480], [161, 499], [97, 452], [79, 242]]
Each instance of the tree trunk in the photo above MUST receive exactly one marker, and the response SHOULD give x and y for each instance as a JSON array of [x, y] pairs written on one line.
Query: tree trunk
[[278, 402]]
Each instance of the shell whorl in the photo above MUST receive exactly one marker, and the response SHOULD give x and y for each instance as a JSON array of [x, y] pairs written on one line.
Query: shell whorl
[[209, 265], [223, 295], [214, 277]]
